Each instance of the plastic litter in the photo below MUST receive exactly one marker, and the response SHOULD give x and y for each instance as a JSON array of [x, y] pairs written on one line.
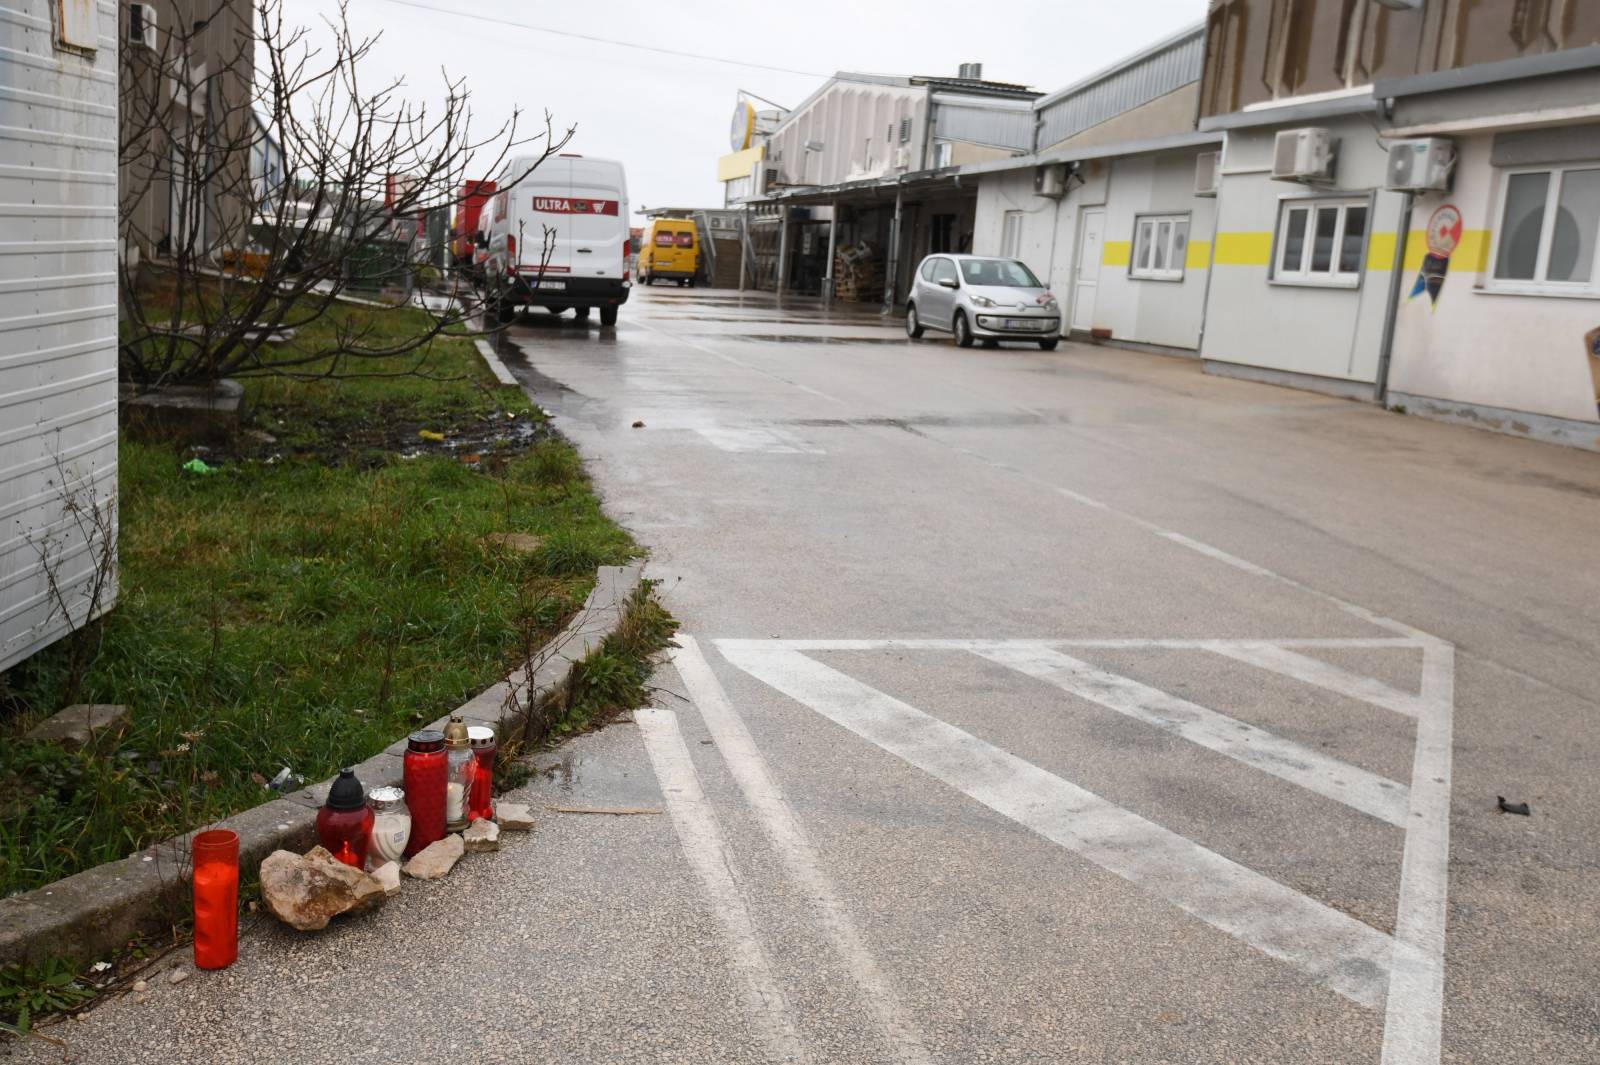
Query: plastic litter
[[286, 780], [429, 434], [198, 466]]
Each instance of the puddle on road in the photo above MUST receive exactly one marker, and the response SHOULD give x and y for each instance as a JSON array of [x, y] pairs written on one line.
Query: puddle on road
[[599, 780], [790, 338], [985, 420]]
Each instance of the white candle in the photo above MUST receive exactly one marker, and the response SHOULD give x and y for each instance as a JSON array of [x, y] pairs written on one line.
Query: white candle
[[454, 799], [391, 830]]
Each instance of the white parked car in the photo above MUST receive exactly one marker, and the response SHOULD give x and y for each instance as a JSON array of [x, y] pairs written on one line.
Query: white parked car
[[975, 297], [584, 263]]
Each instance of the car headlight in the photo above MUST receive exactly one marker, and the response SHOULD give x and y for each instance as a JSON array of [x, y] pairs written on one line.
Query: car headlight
[[982, 301], [1049, 303]]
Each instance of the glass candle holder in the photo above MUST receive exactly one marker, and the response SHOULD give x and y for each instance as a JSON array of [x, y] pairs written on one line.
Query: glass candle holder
[[215, 854], [480, 805], [425, 768], [391, 827], [344, 824]]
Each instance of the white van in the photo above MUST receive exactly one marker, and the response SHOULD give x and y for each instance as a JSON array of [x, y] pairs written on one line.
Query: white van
[[583, 203]]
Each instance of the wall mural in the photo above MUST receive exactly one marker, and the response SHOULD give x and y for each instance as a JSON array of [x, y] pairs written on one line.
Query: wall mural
[[1444, 233]]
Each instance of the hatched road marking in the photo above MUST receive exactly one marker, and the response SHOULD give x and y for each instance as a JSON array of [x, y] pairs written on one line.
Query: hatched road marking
[[1402, 974]]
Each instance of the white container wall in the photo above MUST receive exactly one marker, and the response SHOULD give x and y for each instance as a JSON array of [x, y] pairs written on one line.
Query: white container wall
[[1326, 331], [58, 316], [1160, 301]]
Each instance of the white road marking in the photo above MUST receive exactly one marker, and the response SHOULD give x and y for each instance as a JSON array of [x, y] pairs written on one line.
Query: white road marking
[[1415, 1017], [701, 839], [1323, 674], [754, 777], [979, 646], [725, 357], [755, 438], [1285, 759], [1344, 954]]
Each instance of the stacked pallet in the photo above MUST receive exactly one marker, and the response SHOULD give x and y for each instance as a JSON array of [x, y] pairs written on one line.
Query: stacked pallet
[[858, 273]]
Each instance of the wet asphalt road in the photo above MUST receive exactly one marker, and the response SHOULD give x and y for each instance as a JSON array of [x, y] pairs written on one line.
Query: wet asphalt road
[[1068, 707]]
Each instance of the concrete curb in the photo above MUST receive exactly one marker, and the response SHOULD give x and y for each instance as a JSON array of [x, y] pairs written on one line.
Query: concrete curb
[[94, 913], [496, 367]]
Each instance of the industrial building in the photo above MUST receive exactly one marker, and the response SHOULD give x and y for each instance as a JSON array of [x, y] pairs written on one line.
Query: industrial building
[[1392, 201]]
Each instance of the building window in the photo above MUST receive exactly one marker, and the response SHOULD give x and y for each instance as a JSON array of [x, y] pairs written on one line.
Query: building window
[[1011, 235], [1160, 243], [1549, 225], [941, 154], [1321, 242]]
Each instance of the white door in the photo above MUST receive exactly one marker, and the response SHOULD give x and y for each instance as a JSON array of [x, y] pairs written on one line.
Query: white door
[[1086, 278], [1011, 235]]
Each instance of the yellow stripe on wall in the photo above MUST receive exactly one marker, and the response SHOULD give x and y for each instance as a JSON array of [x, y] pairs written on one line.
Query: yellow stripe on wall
[[1198, 257], [1380, 251], [1244, 249], [1116, 252]]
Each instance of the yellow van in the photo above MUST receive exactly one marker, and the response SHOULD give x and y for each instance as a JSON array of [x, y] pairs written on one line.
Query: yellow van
[[670, 251]]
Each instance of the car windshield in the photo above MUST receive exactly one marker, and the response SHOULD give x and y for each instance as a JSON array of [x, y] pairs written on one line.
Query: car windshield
[[1005, 273]]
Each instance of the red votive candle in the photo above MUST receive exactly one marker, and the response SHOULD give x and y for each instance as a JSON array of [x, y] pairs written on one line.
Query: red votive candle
[[425, 769], [344, 824], [481, 802], [215, 854]]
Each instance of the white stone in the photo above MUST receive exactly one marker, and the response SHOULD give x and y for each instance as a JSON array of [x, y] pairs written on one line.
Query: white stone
[[436, 859], [514, 816], [481, 836], [177, 976], [388, 874]]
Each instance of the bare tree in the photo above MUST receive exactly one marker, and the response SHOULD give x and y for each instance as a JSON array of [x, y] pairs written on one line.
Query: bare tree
[[222, 256]]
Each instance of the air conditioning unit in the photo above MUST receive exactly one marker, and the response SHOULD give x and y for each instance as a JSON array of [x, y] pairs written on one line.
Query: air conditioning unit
[[1303, 155], [1051, 181], [142, 25], [902, 158], [762, 178], [1420, 165], [1207, 167]]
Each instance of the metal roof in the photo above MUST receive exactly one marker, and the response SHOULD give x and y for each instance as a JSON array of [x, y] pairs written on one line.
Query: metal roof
[[1164, 67]]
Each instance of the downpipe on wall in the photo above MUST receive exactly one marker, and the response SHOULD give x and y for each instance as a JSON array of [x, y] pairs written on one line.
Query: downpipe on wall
[[1391, 313]]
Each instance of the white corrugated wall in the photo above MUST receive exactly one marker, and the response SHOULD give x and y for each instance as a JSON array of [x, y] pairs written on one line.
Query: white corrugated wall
[[58, 312]]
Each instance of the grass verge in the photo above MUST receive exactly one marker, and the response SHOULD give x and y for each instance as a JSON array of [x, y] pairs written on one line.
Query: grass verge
[[334, 583]]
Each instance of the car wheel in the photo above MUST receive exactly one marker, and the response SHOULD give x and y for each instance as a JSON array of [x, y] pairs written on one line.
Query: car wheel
[[962, 330], [1048, 345], [608, 316], [913, 323], [991, 344]]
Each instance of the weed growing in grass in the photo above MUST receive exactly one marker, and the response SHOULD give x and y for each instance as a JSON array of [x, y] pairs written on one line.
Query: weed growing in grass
[[31, 991], [556, 464], [614, 677]]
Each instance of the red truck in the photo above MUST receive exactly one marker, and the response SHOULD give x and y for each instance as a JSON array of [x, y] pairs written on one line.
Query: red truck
[[469, 206]]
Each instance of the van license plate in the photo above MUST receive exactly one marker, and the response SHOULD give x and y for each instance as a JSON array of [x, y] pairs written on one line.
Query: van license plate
[[551, 284]]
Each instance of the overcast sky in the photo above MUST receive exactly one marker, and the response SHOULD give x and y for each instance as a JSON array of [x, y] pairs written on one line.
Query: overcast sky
[[667, 117]]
